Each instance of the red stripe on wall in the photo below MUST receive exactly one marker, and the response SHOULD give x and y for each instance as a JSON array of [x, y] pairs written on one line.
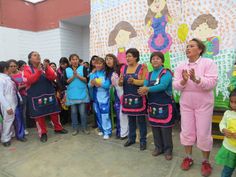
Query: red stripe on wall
[[42, 16]]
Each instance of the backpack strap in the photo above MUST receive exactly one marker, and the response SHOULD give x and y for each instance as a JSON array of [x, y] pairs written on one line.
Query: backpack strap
[[138, 69]]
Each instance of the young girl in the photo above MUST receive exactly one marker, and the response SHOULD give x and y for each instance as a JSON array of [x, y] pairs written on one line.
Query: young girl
[[92, 69], [101, 95], [53, 66], [64, 114], [227, 154], [20, 119], [77, 93], [8, 103], [21, 64], [113, 72]]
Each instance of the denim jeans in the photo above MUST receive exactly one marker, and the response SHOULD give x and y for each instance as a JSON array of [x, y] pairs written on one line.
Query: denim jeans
[[227, 172], [142, 128], [74, 115]]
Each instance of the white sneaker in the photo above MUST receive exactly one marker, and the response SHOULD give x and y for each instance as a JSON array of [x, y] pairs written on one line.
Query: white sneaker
[[86, 131], [106, 137], [75, 132], [26, 132], [100, 133]]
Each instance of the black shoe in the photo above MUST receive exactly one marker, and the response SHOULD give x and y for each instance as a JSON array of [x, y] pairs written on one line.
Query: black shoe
[[143, 147], [128, 143], [63, 131], [22, 139], [123, 138], [156, 152], [168, 156], [6, 144], [63, 123], [117, 137], [44, 138]]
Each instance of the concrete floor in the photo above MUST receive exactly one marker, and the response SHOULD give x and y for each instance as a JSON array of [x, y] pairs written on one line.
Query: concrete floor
[[91, 156]]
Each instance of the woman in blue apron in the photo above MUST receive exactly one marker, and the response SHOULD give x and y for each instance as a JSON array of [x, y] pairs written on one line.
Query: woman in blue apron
[[41, 95], [161, 108], [77, 93], [133, 104]]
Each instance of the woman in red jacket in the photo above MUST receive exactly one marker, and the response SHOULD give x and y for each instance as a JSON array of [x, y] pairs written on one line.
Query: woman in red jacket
[[41, 95]]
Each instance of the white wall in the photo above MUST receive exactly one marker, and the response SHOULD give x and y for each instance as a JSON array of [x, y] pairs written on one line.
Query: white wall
[[52, 44], [48, 44], [71, 39], [17, 44], [85, 41], [8, 43], [26, 42], [74, 39]]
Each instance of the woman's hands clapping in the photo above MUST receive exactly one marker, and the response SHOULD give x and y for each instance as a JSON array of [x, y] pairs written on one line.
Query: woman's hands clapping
[[143, 91], [186, 75]]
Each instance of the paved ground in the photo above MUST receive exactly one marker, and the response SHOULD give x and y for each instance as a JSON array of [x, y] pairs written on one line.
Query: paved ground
[[91, 156]]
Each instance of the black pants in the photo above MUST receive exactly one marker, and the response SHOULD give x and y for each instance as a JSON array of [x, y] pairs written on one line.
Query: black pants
[[64, 116], [163, 139], [142, 128]]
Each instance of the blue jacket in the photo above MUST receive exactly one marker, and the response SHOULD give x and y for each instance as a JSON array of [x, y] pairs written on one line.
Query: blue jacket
[[100, 94]]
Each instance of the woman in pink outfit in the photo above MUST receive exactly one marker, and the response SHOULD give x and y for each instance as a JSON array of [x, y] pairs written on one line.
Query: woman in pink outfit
[[196, 80]]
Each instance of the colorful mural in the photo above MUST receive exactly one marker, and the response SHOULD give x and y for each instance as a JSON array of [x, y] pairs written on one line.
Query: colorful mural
[[167, 25], [120, 36], [203, 28]]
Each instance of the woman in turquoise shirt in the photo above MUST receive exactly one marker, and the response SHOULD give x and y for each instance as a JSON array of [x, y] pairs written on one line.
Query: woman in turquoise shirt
[[158, 88], [77, 93]]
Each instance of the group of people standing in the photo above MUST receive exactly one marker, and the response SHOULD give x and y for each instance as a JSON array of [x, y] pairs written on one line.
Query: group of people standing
[[138, 95]]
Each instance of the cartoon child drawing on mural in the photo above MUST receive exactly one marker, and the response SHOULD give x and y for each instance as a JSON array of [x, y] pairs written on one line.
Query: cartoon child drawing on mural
[[120, 36], [156, 20], [203, 27]]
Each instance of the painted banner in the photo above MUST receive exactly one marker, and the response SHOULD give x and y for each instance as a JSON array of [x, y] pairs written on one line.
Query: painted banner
[[167, 26]]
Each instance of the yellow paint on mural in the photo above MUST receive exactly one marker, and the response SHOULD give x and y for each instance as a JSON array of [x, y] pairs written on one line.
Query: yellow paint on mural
[[234, 71], [183, 32]]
